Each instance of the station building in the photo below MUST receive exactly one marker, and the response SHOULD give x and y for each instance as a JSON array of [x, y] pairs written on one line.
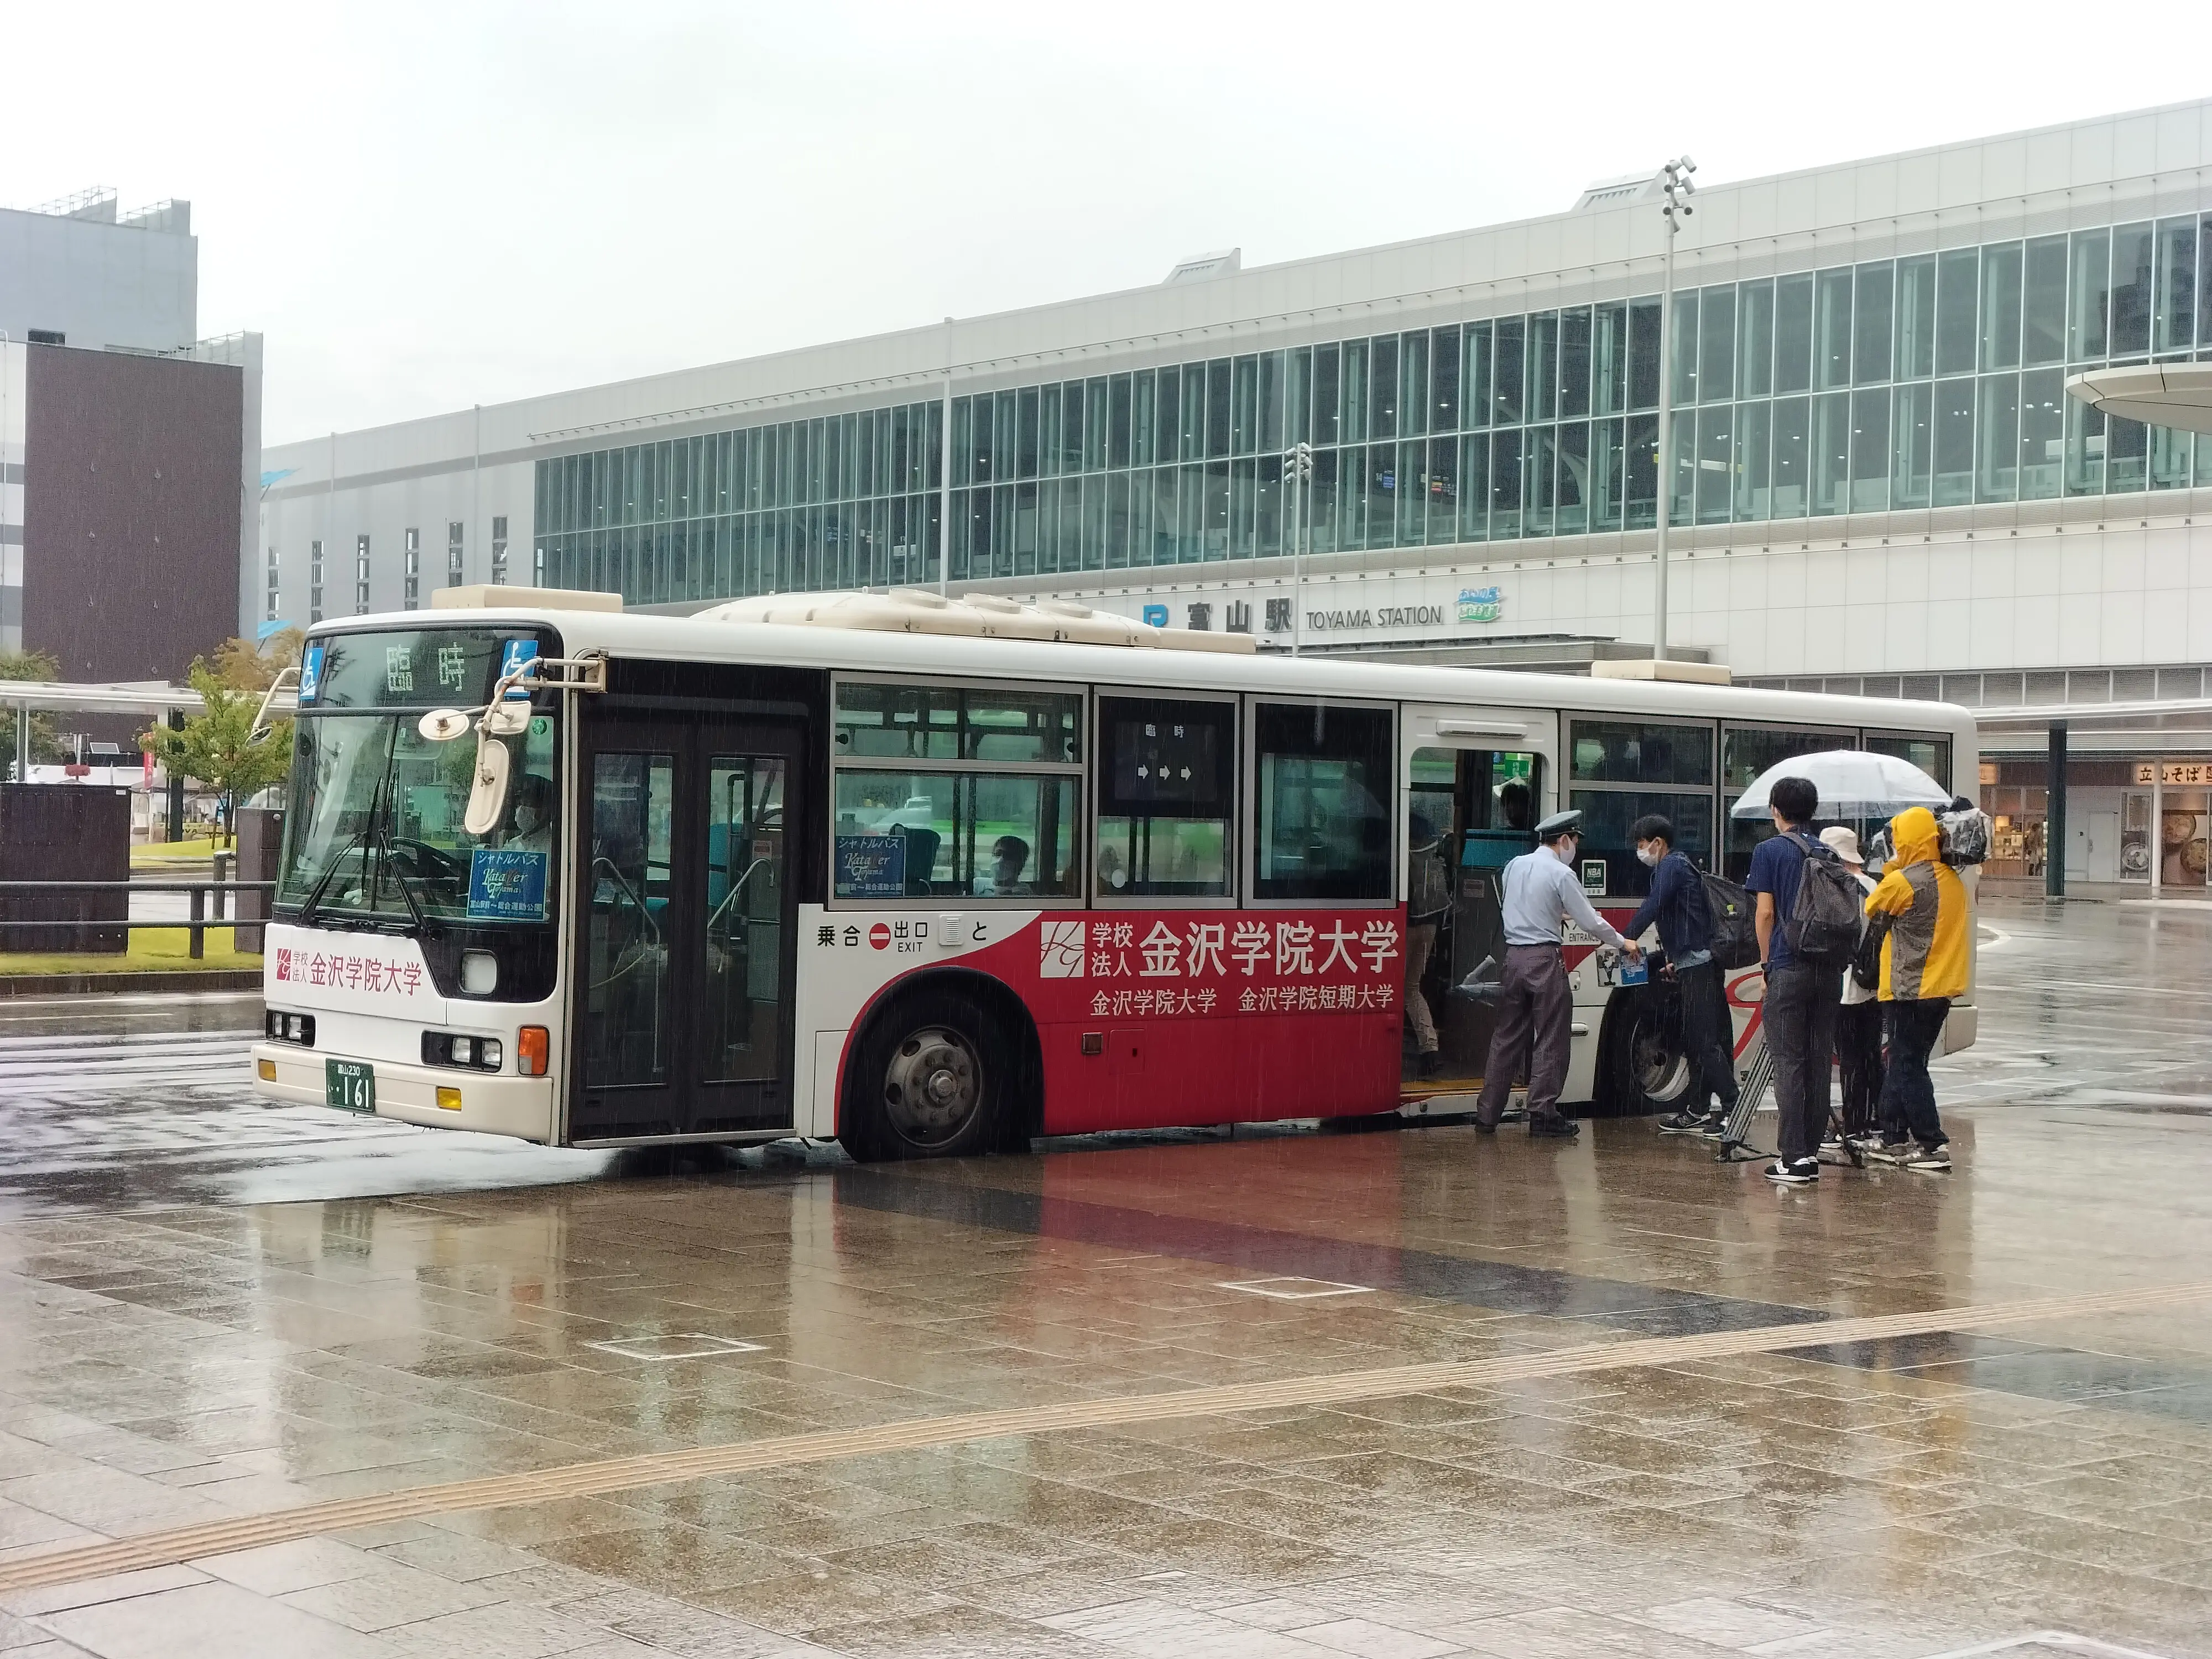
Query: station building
[[1878, 482], [129, 448]]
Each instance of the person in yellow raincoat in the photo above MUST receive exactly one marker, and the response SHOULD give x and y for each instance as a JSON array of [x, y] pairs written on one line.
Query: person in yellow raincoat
[[1926, 960]]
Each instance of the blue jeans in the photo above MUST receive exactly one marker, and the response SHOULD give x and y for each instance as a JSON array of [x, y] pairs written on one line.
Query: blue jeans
[[1908, 1093]]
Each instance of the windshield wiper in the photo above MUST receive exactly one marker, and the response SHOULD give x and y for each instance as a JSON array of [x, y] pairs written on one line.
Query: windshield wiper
[[372, 825], [315, 899], [389, 859]]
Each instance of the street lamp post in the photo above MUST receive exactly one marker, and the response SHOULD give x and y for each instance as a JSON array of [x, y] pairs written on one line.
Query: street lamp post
[[1297, 473], [1677, 190]]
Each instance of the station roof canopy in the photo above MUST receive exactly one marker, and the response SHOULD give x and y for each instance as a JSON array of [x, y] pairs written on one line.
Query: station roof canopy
[[2174, 395], [124, 698], [2174, 725]]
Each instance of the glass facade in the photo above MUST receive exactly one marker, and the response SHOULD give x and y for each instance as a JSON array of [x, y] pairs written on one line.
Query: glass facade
[[1932, 380], [840, 501]]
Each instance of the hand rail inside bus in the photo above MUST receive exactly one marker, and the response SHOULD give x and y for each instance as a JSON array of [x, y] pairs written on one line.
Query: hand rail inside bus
[[732, 896]]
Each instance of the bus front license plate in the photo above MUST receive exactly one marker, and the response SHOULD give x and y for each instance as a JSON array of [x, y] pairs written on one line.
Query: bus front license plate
[[349, 1085]]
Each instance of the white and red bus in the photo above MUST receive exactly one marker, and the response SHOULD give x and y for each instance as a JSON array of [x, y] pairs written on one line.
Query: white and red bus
[[933, 877]]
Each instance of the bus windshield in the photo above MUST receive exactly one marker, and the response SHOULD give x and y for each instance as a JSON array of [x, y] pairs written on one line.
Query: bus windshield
[[376, 827]]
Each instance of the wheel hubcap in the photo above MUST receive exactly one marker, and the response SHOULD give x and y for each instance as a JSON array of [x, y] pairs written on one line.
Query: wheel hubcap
[[1663, 1071], [934, 1085]]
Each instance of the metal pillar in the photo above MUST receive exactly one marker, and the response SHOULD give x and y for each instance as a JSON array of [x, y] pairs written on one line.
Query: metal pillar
[[2157, 826], [176, 784], [945, 477], [23, 743], [2054, 819]]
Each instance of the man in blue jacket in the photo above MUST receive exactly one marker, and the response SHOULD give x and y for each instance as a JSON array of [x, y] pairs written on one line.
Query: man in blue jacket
[[1677, 904]]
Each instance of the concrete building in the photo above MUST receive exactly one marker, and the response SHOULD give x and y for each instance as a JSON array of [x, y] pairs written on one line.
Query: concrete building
[[130, 449], [1877, 481]]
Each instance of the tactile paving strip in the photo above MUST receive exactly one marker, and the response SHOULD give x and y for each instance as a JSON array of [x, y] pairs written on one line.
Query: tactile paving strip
[[627, 1474]]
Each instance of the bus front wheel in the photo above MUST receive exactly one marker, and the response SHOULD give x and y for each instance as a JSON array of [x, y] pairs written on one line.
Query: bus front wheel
[[927, 1081]]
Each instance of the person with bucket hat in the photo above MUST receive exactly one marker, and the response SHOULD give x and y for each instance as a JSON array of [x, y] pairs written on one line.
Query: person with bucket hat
[[1536, 1005]]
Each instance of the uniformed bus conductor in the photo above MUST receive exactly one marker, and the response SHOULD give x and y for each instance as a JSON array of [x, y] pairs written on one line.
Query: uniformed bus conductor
[[1535, 1007]]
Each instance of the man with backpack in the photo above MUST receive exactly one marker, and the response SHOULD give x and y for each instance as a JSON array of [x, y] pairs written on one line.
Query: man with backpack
[[1677, 904], [1925, 962], [1808, 923]]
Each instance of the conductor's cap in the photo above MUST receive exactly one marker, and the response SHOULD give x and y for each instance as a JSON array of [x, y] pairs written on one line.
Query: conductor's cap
[[1559, 824]]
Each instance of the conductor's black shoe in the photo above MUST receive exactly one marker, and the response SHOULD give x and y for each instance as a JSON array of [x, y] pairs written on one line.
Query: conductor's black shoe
[[1552, 1125], [1480, 1127]]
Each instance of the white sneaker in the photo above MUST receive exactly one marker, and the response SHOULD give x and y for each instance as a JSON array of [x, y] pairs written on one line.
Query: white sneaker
[[1803, 1173], [1929, 1160]]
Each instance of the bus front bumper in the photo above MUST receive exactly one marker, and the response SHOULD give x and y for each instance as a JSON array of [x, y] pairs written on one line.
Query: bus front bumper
[[490, 1104]]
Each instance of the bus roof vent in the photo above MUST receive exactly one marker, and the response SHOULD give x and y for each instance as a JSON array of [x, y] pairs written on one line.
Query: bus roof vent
[[973, 616], [479, 597]]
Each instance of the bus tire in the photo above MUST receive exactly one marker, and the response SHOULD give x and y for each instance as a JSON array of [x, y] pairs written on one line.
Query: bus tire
[[1643, 1066], [932, 1078]]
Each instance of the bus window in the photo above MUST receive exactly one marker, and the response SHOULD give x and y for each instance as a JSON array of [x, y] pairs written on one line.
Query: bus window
[[1641, 752], [1748, 750], [1166, 795], [984, 806], [958, 835], [1607, 815], [1931, 755], [904, 721], [1323, 776], [1623, 769]]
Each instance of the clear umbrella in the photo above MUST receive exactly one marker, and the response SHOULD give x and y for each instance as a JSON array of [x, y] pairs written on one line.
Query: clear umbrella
[[1854, 783]]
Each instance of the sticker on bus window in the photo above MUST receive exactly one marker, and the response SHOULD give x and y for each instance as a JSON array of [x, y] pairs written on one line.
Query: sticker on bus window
[[311, 673], [513, 653], [870, 866], [506, 884]]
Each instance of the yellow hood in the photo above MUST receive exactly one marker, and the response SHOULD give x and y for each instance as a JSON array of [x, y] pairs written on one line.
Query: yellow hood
[[1914, 833]]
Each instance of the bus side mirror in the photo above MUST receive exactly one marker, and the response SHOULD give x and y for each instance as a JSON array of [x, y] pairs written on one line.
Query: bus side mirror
[[488, 793]]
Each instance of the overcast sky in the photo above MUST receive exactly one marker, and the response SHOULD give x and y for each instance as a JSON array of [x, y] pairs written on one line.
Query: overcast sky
[[425, 206]]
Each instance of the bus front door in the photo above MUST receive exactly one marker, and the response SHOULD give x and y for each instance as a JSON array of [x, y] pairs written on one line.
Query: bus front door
[[685, 950]]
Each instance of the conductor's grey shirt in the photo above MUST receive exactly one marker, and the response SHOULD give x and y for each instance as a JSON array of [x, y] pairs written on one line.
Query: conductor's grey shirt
[[1541, 894]]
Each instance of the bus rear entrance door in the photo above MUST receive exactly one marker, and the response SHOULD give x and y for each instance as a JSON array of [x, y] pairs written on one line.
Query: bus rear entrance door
[[684, 982]]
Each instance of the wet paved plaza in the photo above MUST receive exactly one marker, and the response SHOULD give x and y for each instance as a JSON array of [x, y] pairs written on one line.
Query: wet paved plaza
[[283, 1382]]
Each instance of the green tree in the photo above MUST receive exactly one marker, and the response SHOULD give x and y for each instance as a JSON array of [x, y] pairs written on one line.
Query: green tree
[[212, 745], [29, 666], [249, 667]]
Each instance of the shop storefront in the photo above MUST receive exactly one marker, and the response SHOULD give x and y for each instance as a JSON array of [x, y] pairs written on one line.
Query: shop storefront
[[2142, 821]]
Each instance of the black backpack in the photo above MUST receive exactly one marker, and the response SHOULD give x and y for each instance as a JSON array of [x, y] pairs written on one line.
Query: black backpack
[[1866, 960], [1734, 930], [1823, 926]]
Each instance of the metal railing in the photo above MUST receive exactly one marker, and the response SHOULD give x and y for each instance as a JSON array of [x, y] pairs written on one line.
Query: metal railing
[[197, 922]]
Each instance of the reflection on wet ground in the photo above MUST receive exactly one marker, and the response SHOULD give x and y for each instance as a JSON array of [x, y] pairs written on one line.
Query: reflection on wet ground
[[211, 1309]]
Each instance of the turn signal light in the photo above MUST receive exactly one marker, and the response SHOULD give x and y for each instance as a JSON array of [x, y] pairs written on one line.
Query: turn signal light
[[268, 1069], [532, 1044], [449, 1100]]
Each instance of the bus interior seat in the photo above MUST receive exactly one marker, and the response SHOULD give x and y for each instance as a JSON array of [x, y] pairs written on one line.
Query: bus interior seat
[[922, 846]]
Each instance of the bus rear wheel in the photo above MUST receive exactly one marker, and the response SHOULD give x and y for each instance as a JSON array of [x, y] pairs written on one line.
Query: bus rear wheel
[[1646, 1064], [927, 1081]]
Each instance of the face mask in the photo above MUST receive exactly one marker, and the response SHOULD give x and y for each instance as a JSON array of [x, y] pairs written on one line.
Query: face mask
[[1565, 850], [1648, 857]]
